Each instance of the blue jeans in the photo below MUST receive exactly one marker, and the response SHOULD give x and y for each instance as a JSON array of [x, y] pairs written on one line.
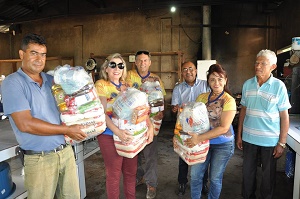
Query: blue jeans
[[217, 159]]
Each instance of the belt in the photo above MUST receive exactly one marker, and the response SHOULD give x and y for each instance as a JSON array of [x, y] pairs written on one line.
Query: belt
[[59, 148]]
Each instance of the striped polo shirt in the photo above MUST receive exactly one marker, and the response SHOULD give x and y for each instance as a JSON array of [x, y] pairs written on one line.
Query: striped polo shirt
[[263, 104]]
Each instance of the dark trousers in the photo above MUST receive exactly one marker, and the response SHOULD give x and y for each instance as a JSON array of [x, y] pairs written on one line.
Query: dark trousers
[[150, 171], [183, 172], [251, 154]]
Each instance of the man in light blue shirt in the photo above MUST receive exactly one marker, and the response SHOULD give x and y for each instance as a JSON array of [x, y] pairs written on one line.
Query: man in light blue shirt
[[263, 125], [187, 91], [50, 168]]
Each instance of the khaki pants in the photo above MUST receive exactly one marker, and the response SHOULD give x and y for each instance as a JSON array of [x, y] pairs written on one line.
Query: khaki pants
[[54, 174]]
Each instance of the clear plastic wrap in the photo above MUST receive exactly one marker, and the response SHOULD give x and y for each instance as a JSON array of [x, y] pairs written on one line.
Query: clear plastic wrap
[[78, 101], [130, 111], [192, 117], [130, 104], [152, 87], [71, 79]]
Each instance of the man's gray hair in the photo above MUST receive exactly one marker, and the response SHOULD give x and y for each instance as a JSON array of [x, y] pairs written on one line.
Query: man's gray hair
[[270, 55]]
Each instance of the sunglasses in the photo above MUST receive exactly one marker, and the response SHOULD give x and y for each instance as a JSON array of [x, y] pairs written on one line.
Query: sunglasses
[[114, 65], [142, 52]]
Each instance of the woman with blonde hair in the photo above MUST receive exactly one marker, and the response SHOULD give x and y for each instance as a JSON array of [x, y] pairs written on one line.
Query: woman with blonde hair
[[113, 73]]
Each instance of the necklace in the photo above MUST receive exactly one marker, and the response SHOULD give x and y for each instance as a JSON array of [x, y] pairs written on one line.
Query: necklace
[[117, 86], [210, 94], [143, 77]]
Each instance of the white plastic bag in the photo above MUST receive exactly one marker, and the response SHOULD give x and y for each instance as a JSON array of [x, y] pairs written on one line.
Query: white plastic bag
[[71, 79]]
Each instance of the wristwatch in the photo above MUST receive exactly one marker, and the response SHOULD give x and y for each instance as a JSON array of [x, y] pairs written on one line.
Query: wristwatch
[[282, 145]]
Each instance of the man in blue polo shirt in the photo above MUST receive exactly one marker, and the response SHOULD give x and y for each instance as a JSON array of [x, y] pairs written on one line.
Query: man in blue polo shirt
[[188, 91], [263, 125], [50, 167]]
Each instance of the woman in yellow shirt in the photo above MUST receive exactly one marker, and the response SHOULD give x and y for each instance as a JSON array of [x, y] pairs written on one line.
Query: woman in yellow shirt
[[113, 73], [221, 109]]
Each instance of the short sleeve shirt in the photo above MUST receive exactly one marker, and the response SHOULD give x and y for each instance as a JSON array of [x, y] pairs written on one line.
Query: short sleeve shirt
[[20, 93], [135, 79], [110, 92], [215, 109], [263, 105], [183, 93]]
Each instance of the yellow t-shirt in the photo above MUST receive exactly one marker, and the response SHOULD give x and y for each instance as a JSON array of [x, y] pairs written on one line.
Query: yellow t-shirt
[[136, 80], [110, 91], [215, 109]]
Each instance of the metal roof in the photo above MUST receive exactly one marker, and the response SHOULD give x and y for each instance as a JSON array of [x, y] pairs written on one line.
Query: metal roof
[[13, 12]]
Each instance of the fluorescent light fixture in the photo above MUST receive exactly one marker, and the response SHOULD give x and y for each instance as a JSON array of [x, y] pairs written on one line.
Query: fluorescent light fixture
[[284, 49], [173, 9]]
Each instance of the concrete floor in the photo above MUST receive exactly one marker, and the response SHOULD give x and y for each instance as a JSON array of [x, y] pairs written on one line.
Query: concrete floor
[[168, 170]]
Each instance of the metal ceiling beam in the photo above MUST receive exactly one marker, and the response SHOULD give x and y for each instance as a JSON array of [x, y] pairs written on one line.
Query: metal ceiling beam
[[223, 26]]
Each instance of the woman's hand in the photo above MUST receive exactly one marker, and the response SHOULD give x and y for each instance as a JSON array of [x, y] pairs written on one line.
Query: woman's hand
[[193, 140], [125, 136]]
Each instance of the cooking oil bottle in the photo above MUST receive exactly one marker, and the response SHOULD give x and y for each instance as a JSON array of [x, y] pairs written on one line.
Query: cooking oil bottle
[[59, 95]]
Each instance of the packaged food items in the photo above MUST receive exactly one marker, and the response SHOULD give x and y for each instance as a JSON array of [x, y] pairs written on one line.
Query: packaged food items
[[92, 127], [131, 105], [156, 125], [138, 131], [152, 87], [130, 111], [77, 100], [71, 79], [194, 155], [192, 117], [59, 95]]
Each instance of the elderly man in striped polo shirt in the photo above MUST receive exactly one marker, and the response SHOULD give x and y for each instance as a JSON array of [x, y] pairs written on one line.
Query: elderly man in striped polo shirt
[[263, 125]]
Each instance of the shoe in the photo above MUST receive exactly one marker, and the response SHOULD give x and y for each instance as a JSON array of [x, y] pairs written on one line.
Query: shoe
[[204, 189], [151, 192], [181, 190], [140, 181]]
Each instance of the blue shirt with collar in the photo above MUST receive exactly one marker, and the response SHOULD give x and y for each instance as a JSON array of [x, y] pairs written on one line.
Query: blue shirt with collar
[[262, 120], [183, 93], [21, 93]]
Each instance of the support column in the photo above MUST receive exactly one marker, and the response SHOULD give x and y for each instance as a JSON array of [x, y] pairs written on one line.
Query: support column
[[78, 46], [206, 34]]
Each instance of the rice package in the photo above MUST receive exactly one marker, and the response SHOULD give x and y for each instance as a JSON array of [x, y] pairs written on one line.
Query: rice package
[[138, 131], [130, 111], [79, 104], [192, 118], [152, 87]]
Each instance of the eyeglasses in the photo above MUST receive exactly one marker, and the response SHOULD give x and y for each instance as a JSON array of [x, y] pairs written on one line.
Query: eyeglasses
[[114, 65], [188, 69], [142, 52]]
